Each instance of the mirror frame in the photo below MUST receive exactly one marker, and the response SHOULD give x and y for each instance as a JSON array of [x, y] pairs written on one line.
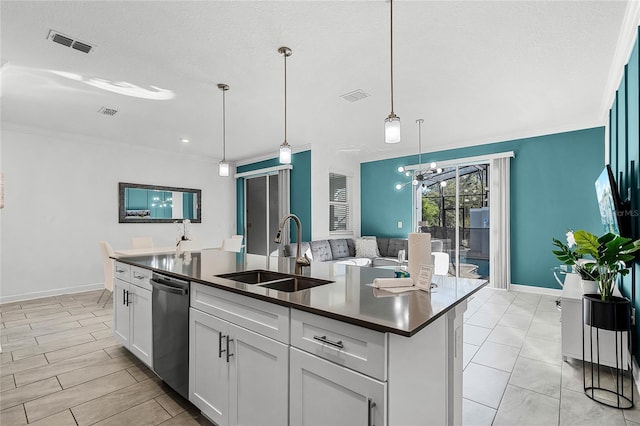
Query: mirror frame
[[121, 206]]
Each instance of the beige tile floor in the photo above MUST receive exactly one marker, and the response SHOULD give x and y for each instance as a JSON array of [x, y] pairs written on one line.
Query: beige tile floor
[[61, 366], [514, 373]]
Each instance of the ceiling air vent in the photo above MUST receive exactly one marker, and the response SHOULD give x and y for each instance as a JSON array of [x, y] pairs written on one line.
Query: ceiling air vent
[[107, 111], [65, 40], [356, 95]]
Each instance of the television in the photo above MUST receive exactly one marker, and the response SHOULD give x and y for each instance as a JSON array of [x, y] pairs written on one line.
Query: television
[[613, 211]]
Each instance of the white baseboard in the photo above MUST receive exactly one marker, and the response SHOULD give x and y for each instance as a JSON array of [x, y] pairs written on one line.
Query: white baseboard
[[537, 290], [48, 293]]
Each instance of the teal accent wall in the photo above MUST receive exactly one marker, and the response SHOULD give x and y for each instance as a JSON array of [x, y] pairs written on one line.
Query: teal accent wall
[[300, 191], [552, 190], [624, 146]]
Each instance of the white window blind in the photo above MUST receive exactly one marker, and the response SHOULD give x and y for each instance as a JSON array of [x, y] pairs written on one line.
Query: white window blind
[[339, 204]]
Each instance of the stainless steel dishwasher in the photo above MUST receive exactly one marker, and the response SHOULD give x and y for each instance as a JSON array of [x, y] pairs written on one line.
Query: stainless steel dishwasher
[[170, 313]]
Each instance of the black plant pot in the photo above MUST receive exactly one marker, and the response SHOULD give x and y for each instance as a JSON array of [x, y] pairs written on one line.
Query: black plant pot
[[613, 314]]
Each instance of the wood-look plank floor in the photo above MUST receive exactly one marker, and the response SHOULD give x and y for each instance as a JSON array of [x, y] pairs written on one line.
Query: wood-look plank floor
[[60, 365]]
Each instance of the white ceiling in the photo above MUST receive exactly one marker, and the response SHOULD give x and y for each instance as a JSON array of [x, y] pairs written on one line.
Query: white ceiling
[[476, 71]]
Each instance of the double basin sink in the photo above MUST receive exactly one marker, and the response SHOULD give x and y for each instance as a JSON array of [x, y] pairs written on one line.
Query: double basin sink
[[275, 280]]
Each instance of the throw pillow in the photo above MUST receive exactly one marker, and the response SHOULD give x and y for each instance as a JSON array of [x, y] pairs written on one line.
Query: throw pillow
[[367, 247]]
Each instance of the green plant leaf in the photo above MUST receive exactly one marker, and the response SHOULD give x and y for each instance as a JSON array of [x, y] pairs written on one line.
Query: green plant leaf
[[587, 243]]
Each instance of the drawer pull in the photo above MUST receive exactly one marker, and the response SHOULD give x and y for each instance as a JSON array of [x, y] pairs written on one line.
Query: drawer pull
[[119, 271], [229, 354], [220, 350], [324, 339], [138, 277], [371, 406]]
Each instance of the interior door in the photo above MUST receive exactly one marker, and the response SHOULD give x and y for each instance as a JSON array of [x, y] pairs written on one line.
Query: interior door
[[261, 214]]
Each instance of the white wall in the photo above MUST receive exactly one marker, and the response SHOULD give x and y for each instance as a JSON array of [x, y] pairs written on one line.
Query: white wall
[[323, 162], [61, 198]]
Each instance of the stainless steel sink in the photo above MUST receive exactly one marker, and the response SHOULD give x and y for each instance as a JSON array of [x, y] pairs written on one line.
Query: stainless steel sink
[[255, 277], [295, 284], [275, 280]]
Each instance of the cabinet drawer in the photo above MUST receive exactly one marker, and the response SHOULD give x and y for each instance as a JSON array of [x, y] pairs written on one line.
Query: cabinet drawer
[[123, 271], [141, 277], [265, 318], [349, 345]]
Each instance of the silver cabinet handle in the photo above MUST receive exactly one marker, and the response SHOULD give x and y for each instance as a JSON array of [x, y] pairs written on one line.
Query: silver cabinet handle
[[371, 405], [229, 355], [220, 350], [119, 271], [324, 339], [125, 297], [138, 277]]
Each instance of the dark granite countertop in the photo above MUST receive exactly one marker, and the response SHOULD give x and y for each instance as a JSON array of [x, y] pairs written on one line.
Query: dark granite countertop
[[349, 298]]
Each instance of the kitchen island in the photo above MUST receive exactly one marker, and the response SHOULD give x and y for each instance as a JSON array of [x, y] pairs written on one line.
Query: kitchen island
[[337, 353]]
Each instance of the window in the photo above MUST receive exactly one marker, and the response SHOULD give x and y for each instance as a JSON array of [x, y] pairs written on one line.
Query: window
[[339, 204]]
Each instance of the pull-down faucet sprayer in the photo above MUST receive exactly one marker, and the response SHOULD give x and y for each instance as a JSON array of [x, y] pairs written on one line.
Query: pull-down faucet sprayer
[[300, 260]]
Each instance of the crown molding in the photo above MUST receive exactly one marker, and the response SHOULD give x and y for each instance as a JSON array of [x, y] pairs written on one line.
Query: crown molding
[[626, 40]]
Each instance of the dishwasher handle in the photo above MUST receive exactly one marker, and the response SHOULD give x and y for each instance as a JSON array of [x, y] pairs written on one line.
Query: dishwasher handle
[[167, 286]]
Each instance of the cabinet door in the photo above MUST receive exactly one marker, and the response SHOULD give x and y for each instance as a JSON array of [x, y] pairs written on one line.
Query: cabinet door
[[324, 393], [141, 333], [259, 379], [208, 367], [120, 312]]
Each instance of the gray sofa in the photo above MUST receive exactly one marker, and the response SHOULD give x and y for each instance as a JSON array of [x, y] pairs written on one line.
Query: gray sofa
[[343, 250]]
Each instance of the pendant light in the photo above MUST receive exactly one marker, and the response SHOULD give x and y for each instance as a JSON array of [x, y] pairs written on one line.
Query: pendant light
[[223, 166], [421, 176], [392, 122], [285, 148]]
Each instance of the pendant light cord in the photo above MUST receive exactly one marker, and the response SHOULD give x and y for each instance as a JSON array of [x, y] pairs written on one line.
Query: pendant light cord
[[391, 38], [285, 97], [224, 127], [420, 144]]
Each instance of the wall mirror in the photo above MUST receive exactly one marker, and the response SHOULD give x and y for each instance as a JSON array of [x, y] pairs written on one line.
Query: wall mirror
[[139, 203]]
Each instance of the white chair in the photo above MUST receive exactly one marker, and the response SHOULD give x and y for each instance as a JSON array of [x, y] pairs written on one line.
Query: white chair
[[107, 263], [141, 242], [233, 244], [440, 264]]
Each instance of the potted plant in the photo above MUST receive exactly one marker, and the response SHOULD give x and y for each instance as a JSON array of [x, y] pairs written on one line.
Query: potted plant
[[586, 270], [609, 256]]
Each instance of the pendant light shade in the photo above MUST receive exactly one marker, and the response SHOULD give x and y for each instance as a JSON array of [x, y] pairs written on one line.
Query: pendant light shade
[[392, 129], [392, 122], [285, 148], [223, 166], [285, 153]]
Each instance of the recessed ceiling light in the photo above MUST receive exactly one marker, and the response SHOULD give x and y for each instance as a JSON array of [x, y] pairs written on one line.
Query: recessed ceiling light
[[184, 140]]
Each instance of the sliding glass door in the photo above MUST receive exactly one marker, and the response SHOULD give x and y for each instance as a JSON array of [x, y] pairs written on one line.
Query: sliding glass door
[[261, 213], [453, 206]]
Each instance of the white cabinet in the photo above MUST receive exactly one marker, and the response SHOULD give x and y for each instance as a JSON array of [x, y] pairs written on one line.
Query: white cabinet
[[132, 321], [208, 369], [141, 333], [236, 376], [571, 330], [120, 311], [252, 362], [345, 344], [324, 393]]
